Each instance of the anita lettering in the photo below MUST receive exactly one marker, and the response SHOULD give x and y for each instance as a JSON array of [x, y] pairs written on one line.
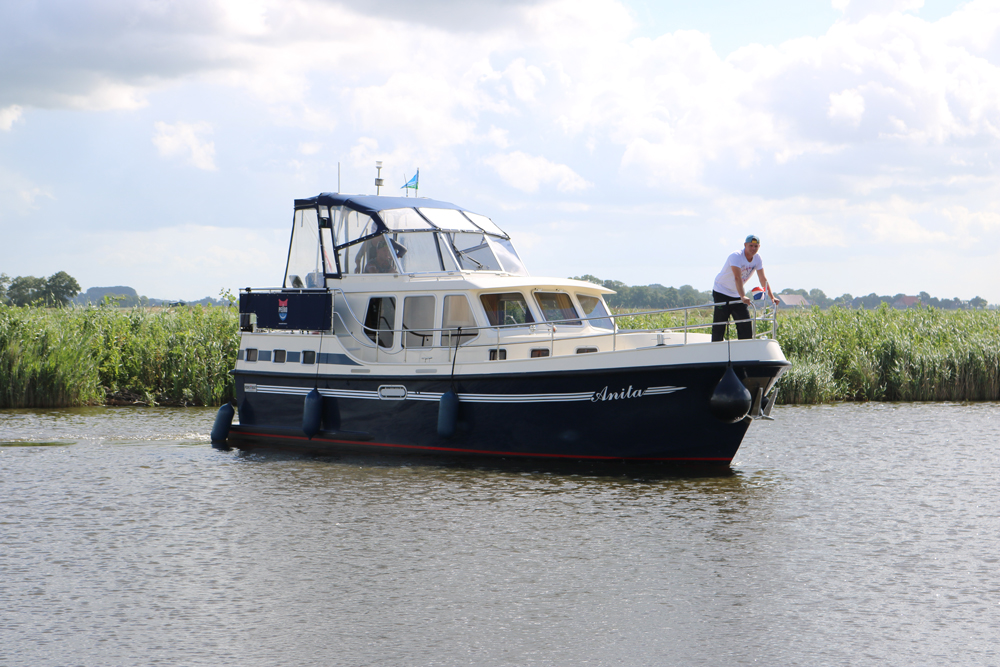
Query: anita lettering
[[605, 395]]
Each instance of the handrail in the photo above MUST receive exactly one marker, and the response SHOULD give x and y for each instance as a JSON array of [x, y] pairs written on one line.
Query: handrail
[[369, 343]]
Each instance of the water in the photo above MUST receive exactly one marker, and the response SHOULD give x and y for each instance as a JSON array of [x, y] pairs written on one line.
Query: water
[[848, 534]]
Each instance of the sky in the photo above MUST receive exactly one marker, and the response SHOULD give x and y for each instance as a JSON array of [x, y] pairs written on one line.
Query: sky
[[160, 144]]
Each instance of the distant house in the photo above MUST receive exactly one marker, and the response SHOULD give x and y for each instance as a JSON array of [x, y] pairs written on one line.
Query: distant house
[[904, 302], [794, 301]]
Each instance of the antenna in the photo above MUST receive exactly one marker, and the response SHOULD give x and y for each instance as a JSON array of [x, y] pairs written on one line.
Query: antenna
[[378, 177], [338, 178]]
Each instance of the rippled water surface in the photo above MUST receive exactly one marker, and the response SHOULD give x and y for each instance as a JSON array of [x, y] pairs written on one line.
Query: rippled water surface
[[848, 534]]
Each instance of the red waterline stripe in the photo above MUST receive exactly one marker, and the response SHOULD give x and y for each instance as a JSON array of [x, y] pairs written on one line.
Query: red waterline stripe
[[487, 451]]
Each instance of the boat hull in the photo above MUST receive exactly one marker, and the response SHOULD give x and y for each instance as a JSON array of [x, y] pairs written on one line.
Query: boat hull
[[647, 414]]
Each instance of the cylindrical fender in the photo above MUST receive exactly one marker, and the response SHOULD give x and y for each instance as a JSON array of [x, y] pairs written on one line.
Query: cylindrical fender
[[220, 429], [447, 414], [312, 413]]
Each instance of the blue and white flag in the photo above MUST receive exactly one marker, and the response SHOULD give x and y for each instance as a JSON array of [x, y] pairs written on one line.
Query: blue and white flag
[[413, 182]]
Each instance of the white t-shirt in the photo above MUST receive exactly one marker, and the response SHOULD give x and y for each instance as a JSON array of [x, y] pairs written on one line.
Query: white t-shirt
[[725, 282]]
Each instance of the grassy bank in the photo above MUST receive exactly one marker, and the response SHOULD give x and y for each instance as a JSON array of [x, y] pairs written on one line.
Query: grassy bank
[[80, 356], [920, 354]]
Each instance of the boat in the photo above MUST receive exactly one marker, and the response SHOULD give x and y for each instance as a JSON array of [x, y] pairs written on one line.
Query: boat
[[410, 326]]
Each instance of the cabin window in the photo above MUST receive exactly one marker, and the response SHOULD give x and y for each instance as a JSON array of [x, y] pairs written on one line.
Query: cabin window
[[500, 354], [400, 219], [457, 313], [264, 355], [585, 350], [506, 309], [374, 256], [509, 260], [351, 226], [418, 252], [473, 251], [594, 308], [485, 224], [539, 352], [448, 220], [309, 357], [241, 355], [279, 356], [305, 263], [557, 307], [418, 321], [380, 319], [251, 354], [293, 357]]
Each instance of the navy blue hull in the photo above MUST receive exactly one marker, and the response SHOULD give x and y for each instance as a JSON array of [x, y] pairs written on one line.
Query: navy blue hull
[[648, 414]]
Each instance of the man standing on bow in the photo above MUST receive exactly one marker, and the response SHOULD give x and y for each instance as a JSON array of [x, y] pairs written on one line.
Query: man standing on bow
[[729, 287]]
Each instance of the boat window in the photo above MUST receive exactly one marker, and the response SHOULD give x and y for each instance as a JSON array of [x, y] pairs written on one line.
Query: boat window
[[448, 220], [594, 308], [421, 252], [556, 306], [304, 256], [351, 226], [485, 224], [404, 219], [293, 357], [380, 319], [279, 356], [418, 321], [326, 239], [309, 357], [373, 256], [251, 354], [509, 260], [457, 313], [500, 354], [539, 352], [473, 252], [508, 308]]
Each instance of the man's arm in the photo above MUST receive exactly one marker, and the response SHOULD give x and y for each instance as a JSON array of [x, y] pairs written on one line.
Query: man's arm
[[739, 284], [765, 285]]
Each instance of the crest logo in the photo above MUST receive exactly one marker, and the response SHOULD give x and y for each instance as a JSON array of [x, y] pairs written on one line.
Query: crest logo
[[282, 309]]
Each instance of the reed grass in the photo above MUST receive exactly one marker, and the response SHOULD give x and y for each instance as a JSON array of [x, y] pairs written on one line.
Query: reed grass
[[918, 354], [85, 356], [79, 356]]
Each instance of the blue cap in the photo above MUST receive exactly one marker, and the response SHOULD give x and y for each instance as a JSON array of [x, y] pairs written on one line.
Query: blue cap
[[751, 238]]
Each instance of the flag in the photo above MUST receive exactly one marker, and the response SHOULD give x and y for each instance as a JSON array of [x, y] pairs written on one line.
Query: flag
[[413, 182]]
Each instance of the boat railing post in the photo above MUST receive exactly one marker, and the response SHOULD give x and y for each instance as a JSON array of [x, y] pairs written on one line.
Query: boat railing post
[[685, 326]]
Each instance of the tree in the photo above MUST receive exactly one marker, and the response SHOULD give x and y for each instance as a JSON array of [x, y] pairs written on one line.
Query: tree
[[56, 290], [978, 303], [4, 282], [25, 290], [59, 289]]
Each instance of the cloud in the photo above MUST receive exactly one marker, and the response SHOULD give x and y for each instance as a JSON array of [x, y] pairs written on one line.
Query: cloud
[[527, 173], [847, 107], [9, 116], [855, 10], [183, 139]]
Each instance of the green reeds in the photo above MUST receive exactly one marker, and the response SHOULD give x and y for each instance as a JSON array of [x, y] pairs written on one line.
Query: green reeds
[[78, 356], [919, 354]]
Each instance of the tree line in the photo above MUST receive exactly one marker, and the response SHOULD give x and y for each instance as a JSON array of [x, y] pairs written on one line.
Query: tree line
[[56, 290], [649, 297], [873, 300]]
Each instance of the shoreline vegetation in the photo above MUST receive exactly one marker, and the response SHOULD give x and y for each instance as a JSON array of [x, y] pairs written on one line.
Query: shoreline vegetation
[[65, 357]]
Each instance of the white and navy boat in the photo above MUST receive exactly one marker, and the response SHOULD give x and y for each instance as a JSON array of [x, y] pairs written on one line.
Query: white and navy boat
[[408, 325]]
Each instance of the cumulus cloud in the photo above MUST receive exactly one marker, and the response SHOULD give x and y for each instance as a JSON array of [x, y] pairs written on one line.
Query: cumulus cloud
[[847, 107], [527, 172], [9, 116], [185, 140]]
